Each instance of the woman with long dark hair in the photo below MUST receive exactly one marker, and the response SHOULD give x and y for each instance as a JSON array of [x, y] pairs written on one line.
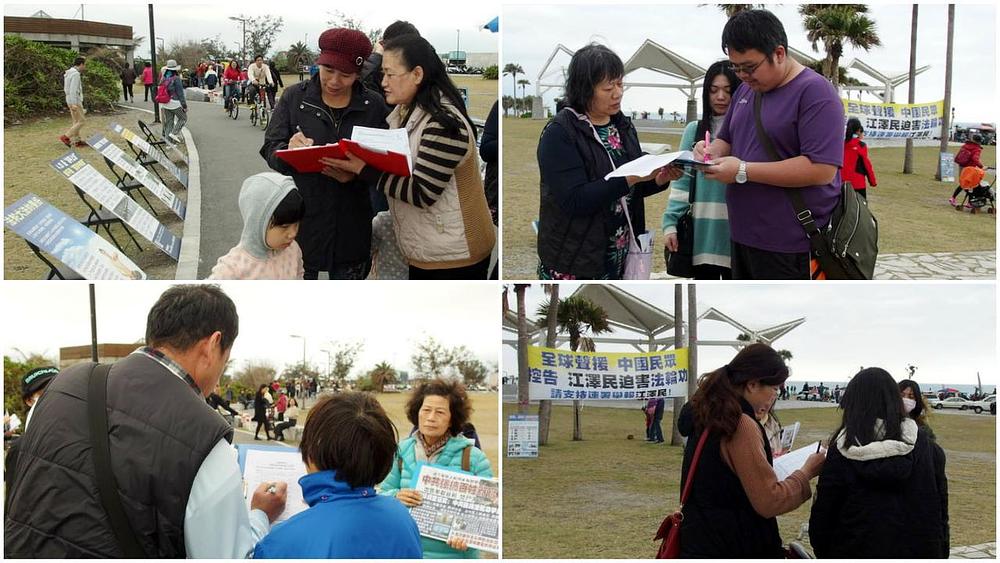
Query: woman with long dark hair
[[915, 406], [260, 405], [881, 492], [583, 219], [735, 496], [440, 215], [704, 198]]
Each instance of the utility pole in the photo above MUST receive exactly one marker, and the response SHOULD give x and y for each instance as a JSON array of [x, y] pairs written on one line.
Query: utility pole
[[152, 61]]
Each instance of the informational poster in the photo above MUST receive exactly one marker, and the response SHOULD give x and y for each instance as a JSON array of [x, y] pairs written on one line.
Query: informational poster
[[156, 155], [897, 121], [110, 150], [271, 465], [458, 505], [562, 374], [69, 242], [88, 179], [522, 435], [149, 180], [947, 167]]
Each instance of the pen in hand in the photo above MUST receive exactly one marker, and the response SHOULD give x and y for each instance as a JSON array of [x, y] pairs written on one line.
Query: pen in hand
[[818, 446], [708, 140]]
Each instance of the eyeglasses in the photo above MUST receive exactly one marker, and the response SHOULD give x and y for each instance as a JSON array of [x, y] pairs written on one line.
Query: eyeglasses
[[746, 69]]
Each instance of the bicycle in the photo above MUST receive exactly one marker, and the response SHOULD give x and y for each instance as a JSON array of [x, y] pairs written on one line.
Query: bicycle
[[258, 109], [232, 106]]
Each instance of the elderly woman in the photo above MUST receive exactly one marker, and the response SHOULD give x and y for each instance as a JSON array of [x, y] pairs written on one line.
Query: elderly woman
[[583, 228], [335, 233], [438, 409], [735, 496], [347, 447], [883, 492], [440, 215]]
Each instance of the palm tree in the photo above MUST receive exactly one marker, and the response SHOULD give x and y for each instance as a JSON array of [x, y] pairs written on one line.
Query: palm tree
[[908, 154], [545, 405], [576, 315], [299, 52], [834, 25], [513, 69], [522, 349], [949, 55], [381, 375], [522, 83]]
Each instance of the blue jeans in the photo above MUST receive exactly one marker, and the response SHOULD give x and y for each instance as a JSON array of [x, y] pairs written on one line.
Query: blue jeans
[[228, 91], [656, 430]]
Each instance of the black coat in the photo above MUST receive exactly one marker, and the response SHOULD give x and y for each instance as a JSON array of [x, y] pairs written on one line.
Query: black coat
[[891, 507], [337, 227], [260, 405], [574, 216]]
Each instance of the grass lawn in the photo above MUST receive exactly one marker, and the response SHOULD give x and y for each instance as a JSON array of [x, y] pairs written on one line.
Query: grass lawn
[[484, 417], [911, 209], [482, 93], [27, 150], [606, 496]]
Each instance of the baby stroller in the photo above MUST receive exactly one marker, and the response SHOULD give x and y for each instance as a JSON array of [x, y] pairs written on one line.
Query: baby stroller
[[978, 195]]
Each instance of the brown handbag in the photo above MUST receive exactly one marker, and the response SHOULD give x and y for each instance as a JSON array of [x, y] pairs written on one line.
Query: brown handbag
[[670, 528]]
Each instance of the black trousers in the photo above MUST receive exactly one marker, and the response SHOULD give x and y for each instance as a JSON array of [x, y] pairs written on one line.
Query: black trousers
[[749, 263], [127, 92], [711, 272], [477, 271], [149, 93], [267, 429]]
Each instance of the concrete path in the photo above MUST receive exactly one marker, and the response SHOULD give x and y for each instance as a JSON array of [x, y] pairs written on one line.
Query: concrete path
[[981, 551], [978, 265]]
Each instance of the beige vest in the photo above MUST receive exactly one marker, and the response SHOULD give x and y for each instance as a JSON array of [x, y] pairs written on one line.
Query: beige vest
[[457, 230]]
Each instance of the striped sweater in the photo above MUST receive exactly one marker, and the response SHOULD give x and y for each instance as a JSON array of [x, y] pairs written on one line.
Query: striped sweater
[[438, 155], [711, 217]]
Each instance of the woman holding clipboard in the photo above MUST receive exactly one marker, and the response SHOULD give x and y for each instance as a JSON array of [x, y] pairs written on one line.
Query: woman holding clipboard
[[704, 199], [335, 233], [440, 216]]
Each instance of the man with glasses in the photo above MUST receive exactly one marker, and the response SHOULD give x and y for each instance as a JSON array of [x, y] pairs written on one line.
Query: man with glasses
[[804, 118]]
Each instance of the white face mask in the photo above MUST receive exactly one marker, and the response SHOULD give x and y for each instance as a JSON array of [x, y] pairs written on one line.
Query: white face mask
[[909, 405]]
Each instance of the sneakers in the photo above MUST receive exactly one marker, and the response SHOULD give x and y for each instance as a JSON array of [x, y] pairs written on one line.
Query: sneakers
[[80, 144], [952, 201], [65, 140], [174, 138]]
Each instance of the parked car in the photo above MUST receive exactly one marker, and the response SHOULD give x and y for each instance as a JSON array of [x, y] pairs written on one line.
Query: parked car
[[987, 404], [931, 398], [954, 403]]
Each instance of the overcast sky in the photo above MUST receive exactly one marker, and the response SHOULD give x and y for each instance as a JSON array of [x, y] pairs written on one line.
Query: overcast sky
[[947, 330], [532, 32], [390, 318], [180, 21]]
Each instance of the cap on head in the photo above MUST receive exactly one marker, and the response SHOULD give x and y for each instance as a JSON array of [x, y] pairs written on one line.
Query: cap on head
[[344, 49], [36, 380]]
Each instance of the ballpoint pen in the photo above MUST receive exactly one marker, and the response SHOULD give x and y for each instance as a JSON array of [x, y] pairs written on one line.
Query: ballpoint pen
[[708, 139]]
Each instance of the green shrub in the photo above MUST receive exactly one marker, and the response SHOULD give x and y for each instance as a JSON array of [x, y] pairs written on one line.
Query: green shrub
[[33, 80], [491, 72]]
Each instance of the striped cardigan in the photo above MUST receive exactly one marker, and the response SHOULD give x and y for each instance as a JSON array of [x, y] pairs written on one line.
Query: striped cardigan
[[711, 217], [439, 212]]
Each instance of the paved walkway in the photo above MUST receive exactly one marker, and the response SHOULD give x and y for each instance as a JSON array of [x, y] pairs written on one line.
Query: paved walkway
[[979, 265], [981, 551]]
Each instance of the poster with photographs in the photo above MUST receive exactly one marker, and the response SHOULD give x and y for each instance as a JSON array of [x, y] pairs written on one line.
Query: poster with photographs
[[458, 505]]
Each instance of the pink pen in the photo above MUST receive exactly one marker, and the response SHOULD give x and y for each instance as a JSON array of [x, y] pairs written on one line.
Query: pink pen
[[708, 140]]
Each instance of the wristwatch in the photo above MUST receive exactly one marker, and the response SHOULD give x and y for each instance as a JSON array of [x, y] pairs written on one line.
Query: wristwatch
[[741, 173]]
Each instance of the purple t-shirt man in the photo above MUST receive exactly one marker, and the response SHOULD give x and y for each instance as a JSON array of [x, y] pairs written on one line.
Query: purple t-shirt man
[[803, 117]]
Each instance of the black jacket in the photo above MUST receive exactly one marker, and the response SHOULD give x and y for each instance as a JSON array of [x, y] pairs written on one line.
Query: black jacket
[[893, 507], [719, 520], [489, 151], [160, 431], [337, 227], [574, 217], [260, 405]]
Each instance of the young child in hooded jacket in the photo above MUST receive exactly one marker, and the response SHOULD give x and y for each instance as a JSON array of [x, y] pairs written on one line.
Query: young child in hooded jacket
[[272, 209]]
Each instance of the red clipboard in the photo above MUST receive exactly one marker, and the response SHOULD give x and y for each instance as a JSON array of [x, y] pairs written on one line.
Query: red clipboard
[[386, 161], [306, 160]]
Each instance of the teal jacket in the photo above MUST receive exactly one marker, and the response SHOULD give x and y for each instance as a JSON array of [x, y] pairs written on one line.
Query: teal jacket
[[711, 216], [450, 457]]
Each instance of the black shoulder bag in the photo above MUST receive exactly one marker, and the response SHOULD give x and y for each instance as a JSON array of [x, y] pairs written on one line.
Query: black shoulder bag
[[680, 264], [847, 248], [100, 450]]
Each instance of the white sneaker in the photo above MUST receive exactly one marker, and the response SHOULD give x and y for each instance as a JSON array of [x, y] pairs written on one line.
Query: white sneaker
[[174, 138]]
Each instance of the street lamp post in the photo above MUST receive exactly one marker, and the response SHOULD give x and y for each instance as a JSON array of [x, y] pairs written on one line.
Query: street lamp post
[[243, 53], [152, 62]]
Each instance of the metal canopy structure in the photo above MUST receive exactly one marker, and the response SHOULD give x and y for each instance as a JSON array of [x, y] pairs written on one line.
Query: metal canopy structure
[[765, 335], [544, 81], [890, 80]]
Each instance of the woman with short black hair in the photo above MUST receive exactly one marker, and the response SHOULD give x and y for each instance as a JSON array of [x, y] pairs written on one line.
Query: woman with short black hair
[[735, 496], [347, 446], [583, 220], [881, 492]]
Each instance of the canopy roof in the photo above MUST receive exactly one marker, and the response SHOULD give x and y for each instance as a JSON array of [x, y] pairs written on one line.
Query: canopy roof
[[626, 310]]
